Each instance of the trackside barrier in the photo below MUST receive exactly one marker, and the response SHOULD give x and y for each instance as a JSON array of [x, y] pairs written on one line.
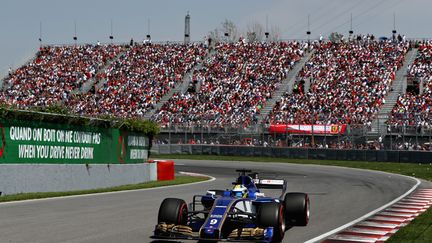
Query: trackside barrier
[[298, 153], [39, 156], [165, 169], [37, 142]]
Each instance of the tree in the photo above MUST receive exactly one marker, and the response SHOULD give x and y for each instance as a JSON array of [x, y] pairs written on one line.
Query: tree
[[230, 28], [255, 32], [215, 35], [227, 27], [336, 37], [275, 33]]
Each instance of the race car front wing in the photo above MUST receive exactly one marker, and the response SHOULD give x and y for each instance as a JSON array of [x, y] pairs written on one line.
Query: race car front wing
[[183, 232]]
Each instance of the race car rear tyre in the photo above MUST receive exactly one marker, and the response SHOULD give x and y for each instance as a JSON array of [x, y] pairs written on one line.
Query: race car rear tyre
[[296, 209], [173, 211], [272, 215]]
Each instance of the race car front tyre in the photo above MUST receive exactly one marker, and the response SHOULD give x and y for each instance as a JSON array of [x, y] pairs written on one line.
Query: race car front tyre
[[296, 209], [272, 215], [173, 211]]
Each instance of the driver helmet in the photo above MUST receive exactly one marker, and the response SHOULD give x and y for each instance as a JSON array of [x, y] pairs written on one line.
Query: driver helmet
[[240, 191]]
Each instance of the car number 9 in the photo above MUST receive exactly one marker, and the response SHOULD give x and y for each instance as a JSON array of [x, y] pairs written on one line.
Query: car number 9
[[213, 221]]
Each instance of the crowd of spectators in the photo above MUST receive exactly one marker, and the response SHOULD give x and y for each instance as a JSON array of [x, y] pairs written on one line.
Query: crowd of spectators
[[233, 85], [331, 143], [340, 143], [137, 80], [414, 109], [348, 83], [55, 72]]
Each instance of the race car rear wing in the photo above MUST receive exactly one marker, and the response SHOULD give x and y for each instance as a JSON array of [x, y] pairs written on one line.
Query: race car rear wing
[[259, 182], [271, 183]]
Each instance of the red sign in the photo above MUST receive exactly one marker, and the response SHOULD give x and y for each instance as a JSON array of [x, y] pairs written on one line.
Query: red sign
[[308, 129]]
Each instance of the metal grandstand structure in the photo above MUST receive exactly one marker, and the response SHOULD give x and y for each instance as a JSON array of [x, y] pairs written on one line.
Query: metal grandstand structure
[[354, 137]]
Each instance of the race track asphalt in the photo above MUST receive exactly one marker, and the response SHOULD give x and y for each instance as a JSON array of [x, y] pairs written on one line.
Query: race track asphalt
[[338, 196]]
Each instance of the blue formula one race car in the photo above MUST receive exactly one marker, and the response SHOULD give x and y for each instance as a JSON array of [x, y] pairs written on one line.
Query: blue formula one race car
[[242, 214]]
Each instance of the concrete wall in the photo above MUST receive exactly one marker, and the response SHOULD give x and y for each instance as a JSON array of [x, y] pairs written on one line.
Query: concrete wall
[[21, 178]]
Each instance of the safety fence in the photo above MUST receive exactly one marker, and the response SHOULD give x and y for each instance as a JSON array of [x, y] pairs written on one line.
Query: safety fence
[[375, 136]]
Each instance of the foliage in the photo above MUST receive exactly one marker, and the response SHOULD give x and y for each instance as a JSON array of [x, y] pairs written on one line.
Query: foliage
[[335, 37], [58, 108], [227, 27], [60, 114], [255, 32], [275, 33], [138, 125]]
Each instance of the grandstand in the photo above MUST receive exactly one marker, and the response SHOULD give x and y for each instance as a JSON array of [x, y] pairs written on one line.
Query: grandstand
[[414, 108], [235, 91], [348, 84], [134, 82], [233, 86], [54, 73]]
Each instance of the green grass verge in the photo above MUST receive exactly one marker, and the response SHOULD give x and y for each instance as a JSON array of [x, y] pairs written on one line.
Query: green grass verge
[[419, 230], [37, 195], [423, 171]]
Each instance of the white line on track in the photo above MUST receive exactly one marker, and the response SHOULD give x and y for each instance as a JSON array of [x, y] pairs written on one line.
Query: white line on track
[[332, 232], [211, 178]]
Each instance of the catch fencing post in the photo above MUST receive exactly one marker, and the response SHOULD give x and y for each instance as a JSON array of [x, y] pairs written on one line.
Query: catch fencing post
[[391, 138], [169, 135], [430, 144], [325, 134], [313, 137], [202, 134]]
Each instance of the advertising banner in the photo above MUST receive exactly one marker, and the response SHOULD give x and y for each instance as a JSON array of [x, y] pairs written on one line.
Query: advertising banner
[[40, 142], [307, 129], [132, 147]]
